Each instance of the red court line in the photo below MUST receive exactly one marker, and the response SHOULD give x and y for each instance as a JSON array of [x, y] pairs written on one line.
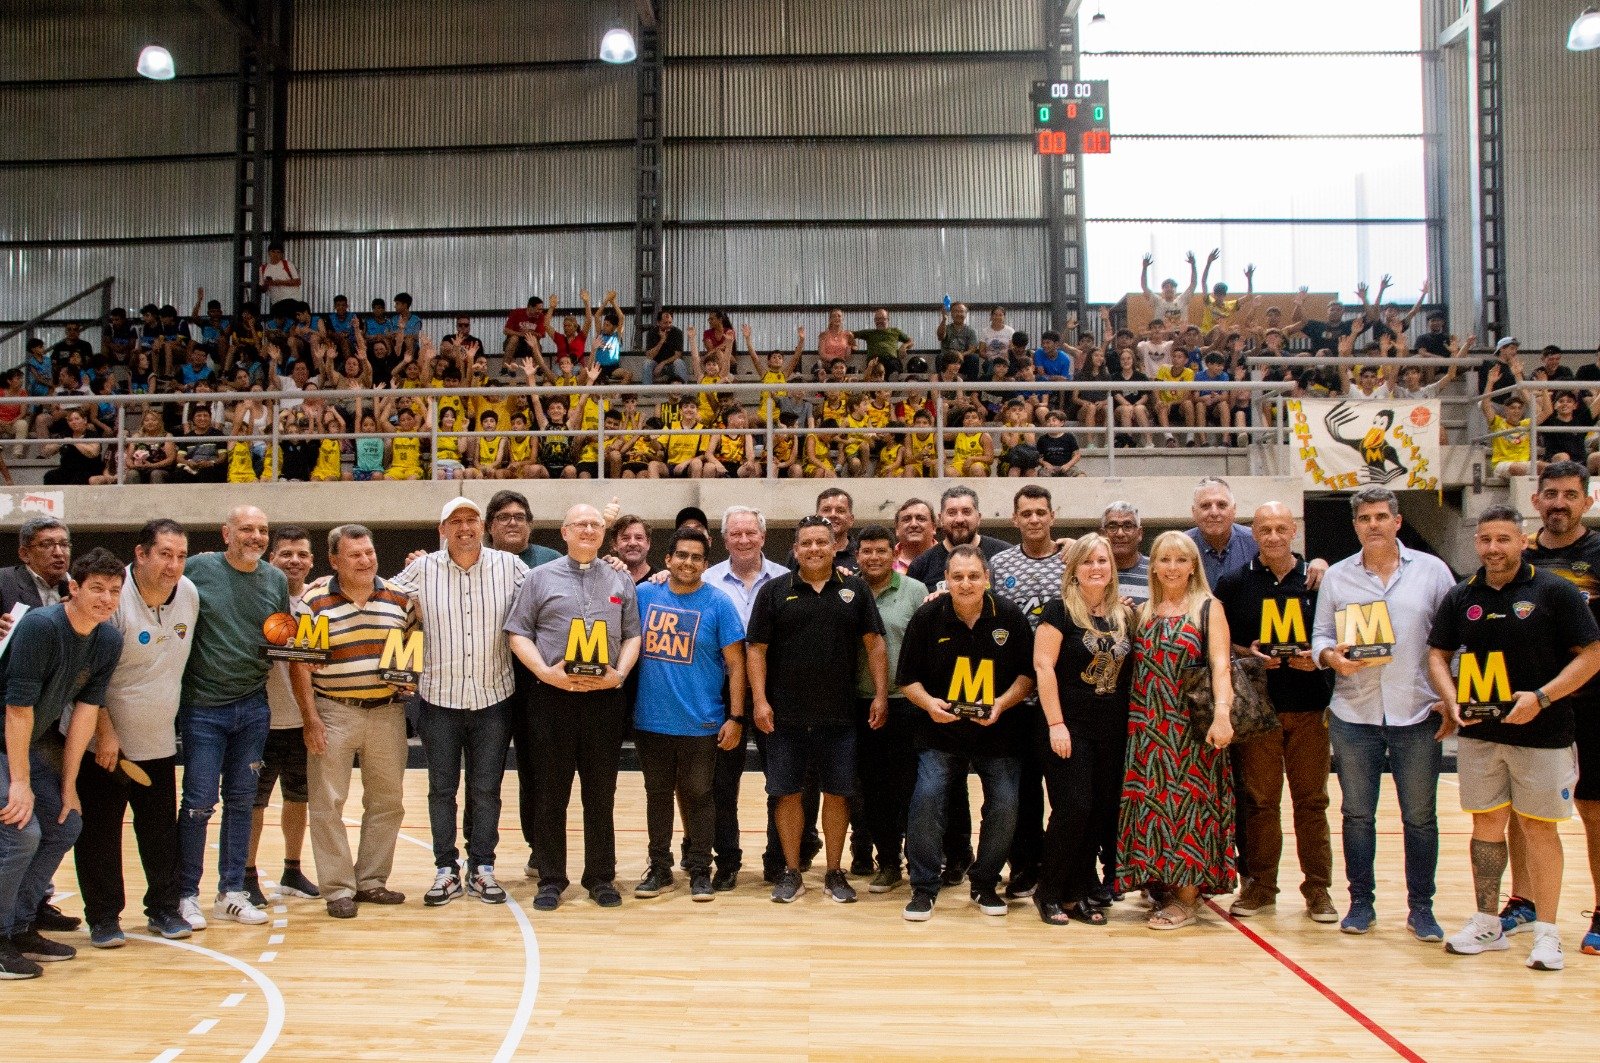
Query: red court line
[[1311, 980]]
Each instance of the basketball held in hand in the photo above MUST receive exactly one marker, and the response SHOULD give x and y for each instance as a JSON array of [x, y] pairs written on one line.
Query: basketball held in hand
[[279, 629]]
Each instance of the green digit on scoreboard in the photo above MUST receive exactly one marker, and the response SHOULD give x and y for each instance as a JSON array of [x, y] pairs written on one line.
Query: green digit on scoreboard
[[1044, 113], [1099, 114]]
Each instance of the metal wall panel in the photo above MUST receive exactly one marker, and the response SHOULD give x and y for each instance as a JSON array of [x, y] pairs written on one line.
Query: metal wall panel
[[113, 202], [468, 272], [102, 38], [1552, 175], [774, 330], [509, 107], [943, 179], [31, 280], [141, 118], [813, 267], [347, 34], [356, 192], [1459, 234], [814, 27], [951, 98]]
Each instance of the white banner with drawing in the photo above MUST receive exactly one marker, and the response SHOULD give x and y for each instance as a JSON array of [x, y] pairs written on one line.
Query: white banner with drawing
[[1345, 445]]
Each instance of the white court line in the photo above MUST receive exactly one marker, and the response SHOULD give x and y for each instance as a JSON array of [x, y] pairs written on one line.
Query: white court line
[[203, 1027], [233, 1000], [530, 973], [269, 989], [168, 1056]]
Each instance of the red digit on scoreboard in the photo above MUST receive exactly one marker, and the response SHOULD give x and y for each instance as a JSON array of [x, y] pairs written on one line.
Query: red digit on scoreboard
[[1052, 142], [1072, 110], [1095, 142]]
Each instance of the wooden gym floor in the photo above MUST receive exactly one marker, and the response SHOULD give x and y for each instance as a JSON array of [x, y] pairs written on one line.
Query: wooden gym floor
[[743, 978]]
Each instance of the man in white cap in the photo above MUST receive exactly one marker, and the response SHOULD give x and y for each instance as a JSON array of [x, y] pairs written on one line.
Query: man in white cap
[[463, 594]]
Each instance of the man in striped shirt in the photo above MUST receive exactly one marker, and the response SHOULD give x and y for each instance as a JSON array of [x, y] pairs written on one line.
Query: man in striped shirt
[[463, 594], [349, 711]]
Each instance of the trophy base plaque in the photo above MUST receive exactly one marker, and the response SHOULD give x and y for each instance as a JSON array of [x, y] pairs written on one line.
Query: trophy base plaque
[[969, 711], [1484, 712], [1376, 653], [1286, 649], [583, 668], [295, 654]]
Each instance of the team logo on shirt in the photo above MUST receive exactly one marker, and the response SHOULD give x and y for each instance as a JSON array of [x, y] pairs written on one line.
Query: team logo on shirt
[[1475, 612], [181, 630], [846, 595], [1000, 635], [144, 638], [1523, 610]]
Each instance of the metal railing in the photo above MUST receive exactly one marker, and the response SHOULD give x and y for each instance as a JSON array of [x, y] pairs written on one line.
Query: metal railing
[[103, 287], [1534, 428]]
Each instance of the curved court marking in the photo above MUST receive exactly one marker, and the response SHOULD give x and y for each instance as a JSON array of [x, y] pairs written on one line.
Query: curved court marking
[[530, 973], [1311, 980], [269, 989]]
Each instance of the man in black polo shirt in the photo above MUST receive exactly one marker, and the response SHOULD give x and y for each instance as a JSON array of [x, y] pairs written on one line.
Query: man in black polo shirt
[[1527, 640], [1270, 610], [1564, 547], [806, 631], [965, 661], [958, 525]]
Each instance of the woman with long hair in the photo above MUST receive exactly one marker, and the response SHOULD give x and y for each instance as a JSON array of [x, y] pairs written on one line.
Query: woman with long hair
[[1081, 663], [1175, 831]]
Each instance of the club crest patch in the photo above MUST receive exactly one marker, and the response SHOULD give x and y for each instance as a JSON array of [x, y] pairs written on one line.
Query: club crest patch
[[846, 595], [1523, 610], [1474, 612], [1000, 635]]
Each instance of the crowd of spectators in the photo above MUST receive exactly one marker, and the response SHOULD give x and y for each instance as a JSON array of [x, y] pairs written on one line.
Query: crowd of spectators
[[287, 353]]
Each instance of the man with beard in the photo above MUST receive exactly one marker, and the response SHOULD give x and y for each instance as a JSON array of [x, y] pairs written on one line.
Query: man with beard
[[630, 541], [1568, 549], [958, 525]]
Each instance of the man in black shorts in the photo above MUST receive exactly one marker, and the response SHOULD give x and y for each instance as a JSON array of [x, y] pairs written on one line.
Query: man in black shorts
[[807, 630], [1564, 547]]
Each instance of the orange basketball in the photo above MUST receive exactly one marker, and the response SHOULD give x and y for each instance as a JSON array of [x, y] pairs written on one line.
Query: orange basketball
[[279, 629]]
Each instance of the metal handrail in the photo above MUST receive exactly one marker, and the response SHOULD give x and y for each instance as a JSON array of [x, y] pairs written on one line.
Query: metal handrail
[[103, 287]]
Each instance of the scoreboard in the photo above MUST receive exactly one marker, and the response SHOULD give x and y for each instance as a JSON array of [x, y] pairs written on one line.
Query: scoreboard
[[1071, 117]]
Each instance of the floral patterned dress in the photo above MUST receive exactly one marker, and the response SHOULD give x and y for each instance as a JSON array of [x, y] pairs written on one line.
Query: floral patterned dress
[[1176, 822]]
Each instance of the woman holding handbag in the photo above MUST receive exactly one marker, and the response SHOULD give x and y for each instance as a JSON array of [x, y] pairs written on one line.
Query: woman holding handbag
[[1175, 831], [1081, 662]]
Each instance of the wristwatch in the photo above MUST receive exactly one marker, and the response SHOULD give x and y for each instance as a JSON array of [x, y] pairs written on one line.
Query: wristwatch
[[1544, 699]]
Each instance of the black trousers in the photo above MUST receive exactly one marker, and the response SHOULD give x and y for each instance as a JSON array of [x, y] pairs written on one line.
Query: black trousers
[[1085, 795], [1027, 842], [105, 797], [523, 745], [727, 774], [576, 733], [887, 763], [681, 768]]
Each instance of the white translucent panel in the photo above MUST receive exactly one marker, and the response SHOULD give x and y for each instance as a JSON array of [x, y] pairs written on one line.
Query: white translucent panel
[[1324, 258], [1251, 25], [1334, 94], [1256, 179]]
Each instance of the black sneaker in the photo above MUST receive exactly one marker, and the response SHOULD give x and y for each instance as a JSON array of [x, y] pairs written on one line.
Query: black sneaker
[[42, 949], [14, 964], [656, 881], [252, 888], [788, 887], [295, 884], [920, 908], [700, 888], [838, 888], [988, 901], [169, 925], [885, 880], [446, 888], [606, 895], [548, 899], [862, 867], [725, 880], [1021, 886], [954, 872], [49, 917]]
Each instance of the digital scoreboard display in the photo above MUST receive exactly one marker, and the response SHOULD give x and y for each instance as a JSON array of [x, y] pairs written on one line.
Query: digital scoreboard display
[[1071, 117]]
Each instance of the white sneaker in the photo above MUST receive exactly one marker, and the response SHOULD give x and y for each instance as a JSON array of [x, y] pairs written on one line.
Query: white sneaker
[[1546, 954], [1481, 934], [237, 906], [189, 911]]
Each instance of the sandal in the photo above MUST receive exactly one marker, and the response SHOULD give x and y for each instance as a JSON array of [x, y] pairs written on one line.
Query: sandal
[[1052, 913], [1175, 916], [1083, 912]]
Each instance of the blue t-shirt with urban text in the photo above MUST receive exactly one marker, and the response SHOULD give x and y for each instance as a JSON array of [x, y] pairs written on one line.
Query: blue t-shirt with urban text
[[681, 667]]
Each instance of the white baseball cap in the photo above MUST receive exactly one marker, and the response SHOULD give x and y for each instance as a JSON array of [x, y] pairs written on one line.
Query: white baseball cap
[[1509, 341], [459, 502]]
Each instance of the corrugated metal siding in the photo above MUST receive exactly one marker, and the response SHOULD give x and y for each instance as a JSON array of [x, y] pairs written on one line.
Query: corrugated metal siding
[[520, 107], [163, 273], [774, 330], [799, 100], [793, 27], [145, 118], [818, 266], [99, 40], [443, 191], [1460, 237], [346, 34], [949, 179], [468, 272], [1552, 173], [81, 203]]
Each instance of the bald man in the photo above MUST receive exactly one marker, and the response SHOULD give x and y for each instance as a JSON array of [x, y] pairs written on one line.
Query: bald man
[[223, 715], [1270, 605]]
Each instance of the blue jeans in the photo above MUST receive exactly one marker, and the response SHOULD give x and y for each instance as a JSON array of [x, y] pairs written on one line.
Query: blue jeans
[[222, 750], [937, 771], [481, 736], [30, 854], [1414, 757]]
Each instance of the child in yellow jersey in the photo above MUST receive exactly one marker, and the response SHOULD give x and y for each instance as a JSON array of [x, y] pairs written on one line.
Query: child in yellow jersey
[[330, 452], [405, 449], [891, 455], [819, 453], [732, 451], [490, 453], [1509, 455], [686, 446], [447, 464], [1169, 402], [1019, 448], [971, 451], [241, 457], [555, 451], [521, 450], [786, 446], [773, 371], [835, 406], [922, 445], [880, 411], [642, 452], [857, 446]]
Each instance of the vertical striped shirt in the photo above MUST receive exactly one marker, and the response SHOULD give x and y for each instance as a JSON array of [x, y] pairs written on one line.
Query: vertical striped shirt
[[356, 638], [466, 662]]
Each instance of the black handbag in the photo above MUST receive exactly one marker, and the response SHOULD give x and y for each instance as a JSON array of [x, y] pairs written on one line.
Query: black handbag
[[1252, 713]]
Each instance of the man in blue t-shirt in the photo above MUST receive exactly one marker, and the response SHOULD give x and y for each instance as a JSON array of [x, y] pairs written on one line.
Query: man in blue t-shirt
[[693, 644], [56, 669]]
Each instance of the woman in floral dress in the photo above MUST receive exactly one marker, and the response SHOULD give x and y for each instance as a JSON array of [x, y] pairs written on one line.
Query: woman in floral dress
[[1175, 835]]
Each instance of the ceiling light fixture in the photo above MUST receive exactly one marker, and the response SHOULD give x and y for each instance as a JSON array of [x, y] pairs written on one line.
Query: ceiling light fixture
[[1585, 33], [617, 47], [155, 63]]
